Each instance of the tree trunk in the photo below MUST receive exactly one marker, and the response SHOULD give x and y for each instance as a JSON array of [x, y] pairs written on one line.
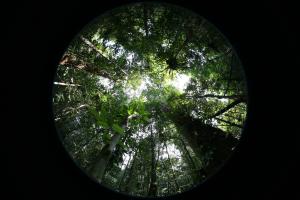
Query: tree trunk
[[173, 173], [203, 139], [130, 179], [99, 167], [124, 174], [145, 10], [153, 183], [191, 163]]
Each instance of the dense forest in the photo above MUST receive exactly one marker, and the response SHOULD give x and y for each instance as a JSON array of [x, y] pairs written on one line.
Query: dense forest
[[149, 99]]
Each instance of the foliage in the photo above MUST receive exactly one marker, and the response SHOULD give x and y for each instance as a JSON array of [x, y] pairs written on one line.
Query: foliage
[[166, 82]]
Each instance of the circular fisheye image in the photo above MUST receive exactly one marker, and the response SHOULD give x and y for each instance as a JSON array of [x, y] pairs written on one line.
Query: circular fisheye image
[[149, 100]]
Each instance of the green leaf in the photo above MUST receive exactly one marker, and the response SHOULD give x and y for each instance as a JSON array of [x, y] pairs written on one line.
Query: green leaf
[[130, 111], [117, 128], [104, 98], [93, 112], [103, 123], [105, 137], [146, 118]]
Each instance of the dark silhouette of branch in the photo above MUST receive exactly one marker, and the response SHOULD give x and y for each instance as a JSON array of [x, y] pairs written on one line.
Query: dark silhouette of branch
[[145, 10], [229, 123], [220, 55], [228, 107], [189, 36], [217, 96], [229, 78]]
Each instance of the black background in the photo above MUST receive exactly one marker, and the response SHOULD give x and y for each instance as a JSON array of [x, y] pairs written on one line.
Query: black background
[[35, 162]]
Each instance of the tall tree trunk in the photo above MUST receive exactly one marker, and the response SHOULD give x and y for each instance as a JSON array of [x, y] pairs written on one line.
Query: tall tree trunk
[[203, 138], [191, 163], [153, 183], [124, 174], [131, 178], [173, 173], [145, 10], [99, 167]]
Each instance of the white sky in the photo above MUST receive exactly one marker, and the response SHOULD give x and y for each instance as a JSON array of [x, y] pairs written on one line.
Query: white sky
[[180, 82], [173, 152], [129, 58], [142, 31], [165, 43], [108, 84], [126, 158], [224, 100], [131, 93], [110, 43]]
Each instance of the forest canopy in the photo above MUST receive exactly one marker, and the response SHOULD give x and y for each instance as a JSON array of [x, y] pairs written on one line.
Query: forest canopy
[[149, 99]]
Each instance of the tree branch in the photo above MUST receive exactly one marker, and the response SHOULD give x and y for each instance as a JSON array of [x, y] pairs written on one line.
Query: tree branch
[[229, 78], [220, 55], [91, 45], [66, 84], [69, 110], [75, 62], [145, 10], [189, 36], [230, 123], [217, 96], [228, 107]]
